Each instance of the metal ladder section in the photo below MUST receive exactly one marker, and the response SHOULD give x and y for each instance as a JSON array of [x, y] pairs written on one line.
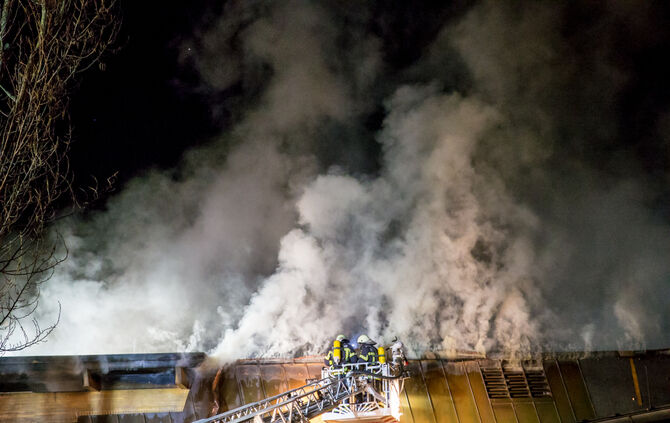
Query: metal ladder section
[[297, 405]]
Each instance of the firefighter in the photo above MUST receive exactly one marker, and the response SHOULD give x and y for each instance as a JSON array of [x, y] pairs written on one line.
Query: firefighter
[[367, 353], [348, 352], [398, 358], [341, 353]]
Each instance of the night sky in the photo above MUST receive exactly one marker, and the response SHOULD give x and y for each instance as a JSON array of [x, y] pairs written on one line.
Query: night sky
[[482, 175], [150, 104], [145, 108]]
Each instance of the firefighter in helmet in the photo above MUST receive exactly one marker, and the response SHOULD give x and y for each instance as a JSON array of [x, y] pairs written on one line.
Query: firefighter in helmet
[[341, 353], [367, 353]]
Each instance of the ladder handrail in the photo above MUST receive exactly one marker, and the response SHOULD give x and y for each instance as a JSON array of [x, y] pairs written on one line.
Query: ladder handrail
[[329, 400], [272, 398], [320, 396]]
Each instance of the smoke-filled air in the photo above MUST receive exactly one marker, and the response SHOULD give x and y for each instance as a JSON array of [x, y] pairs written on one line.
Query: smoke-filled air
[[479, 195]]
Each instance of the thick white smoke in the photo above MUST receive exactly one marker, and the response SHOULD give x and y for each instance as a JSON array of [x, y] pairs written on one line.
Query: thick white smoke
[[477, 232], [394, 255]]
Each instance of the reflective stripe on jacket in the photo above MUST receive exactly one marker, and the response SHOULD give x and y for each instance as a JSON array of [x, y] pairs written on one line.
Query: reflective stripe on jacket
[[328, 361], [348, 353], [368, 353]]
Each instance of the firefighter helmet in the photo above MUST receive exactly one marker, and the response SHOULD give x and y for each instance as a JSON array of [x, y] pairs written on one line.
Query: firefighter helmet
[[341, 337], [364, 339]]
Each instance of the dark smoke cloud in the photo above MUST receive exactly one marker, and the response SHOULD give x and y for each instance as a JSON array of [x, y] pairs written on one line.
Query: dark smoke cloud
[[507, 206], [561, 152]]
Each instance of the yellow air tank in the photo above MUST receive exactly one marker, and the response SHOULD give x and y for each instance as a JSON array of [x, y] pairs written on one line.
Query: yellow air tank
[[382, 355], [337, 351]]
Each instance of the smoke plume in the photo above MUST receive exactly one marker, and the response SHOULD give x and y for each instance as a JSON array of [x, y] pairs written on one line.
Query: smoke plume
[[505, 209]]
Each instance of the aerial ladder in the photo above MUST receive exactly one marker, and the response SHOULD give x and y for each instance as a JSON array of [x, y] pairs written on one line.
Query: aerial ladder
[[358, 392]]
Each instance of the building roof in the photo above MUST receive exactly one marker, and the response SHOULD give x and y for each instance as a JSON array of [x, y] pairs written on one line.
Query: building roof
[[563, 387]]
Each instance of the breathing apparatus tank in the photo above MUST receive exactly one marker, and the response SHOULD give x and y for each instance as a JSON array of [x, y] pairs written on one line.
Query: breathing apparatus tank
[[382, 355], [337, 352]]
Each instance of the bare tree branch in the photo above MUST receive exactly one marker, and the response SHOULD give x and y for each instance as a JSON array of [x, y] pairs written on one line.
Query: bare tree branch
[[44, 45]]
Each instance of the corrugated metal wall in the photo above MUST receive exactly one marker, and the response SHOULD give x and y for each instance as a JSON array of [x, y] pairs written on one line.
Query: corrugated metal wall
[[441, 391]]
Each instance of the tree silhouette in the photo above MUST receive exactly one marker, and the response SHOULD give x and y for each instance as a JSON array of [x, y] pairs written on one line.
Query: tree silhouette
[[44, 45]]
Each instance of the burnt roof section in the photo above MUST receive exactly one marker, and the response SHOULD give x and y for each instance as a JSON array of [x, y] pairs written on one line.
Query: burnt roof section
[[105, 372]]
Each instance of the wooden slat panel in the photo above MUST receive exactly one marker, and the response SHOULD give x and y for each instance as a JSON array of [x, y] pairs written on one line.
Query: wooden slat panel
[[504, 413], [479, 392], [461, 392], [438, 390], [547, 413], [65, 406], [422, 409], [558, 391], [577, 393], [525, 412]]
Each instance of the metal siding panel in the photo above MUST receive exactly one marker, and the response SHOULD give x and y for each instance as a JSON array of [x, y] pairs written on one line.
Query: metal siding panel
[[250, 383], [230, 390], [504, 413], [405, 408], [656, 376], [274, 381], [479, 392], [201, 394], [314, 370], [438, 390], [574, 383], [610, 384], [558, 391], [296, 375], [461, 392], [417, 395], [131, 418], [525, 412], [105, 419], [187, 415], [179, 418], [158, 418], [547, 412]]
